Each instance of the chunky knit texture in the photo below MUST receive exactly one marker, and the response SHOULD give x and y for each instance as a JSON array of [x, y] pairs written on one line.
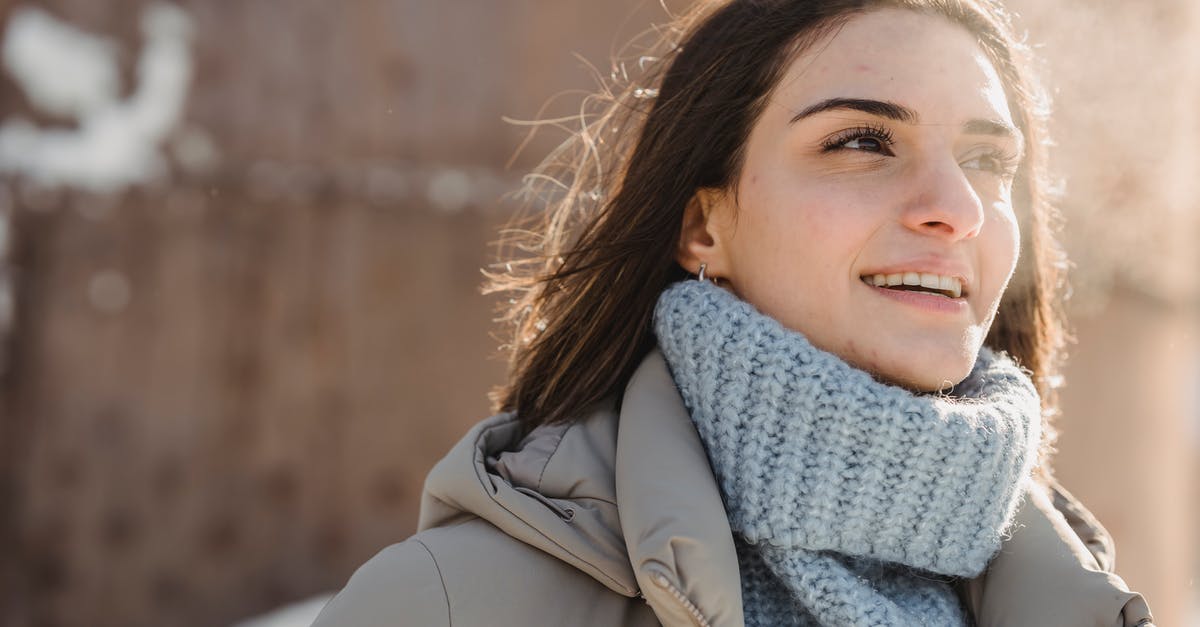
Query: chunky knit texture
[[853, 502]]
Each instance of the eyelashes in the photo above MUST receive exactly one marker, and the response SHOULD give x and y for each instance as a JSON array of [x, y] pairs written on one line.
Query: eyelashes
[[875, 139]]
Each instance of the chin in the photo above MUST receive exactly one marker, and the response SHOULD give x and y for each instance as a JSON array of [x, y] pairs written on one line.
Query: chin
[[924, 375]]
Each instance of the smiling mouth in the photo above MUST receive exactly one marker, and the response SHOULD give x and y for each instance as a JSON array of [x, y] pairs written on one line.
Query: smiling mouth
[[947, 286]]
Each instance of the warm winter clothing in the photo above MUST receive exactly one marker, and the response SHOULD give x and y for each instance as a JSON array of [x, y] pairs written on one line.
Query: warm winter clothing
[[852, 501], [617, 519]]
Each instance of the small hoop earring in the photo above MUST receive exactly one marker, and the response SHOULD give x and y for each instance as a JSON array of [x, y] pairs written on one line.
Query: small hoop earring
[[700, 277]]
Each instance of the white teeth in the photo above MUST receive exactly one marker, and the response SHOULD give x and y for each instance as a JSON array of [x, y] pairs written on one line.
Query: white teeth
[[946, 284], [950, 285]]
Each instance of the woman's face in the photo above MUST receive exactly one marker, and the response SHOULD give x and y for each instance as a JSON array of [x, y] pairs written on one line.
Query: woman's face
[[886, 153]]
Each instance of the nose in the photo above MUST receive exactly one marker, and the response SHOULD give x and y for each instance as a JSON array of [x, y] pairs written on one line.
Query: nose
[[943, 203]]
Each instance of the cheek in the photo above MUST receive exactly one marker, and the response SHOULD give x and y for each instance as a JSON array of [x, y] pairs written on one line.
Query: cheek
[[840, 223], [791, 233], [1001, 248], [1009, 238], [803, 231]]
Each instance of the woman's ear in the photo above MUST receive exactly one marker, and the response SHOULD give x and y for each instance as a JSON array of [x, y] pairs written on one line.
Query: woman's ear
[[704, 233]]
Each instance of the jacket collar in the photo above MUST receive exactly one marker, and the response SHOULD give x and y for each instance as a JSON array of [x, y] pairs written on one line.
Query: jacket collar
[[674, 522]]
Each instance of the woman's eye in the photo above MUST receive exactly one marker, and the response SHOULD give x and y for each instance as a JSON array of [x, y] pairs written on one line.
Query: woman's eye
[[998, 164], [868, 139], [869, 144]]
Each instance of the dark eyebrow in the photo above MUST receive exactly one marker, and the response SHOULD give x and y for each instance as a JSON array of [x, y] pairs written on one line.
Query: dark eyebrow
[[901, 113], [883, 109]]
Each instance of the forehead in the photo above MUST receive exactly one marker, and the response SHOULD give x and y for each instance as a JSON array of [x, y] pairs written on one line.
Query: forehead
[[922, 61]]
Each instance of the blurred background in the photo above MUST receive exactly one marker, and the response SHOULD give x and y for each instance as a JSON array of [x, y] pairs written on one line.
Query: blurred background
[[240, 252]]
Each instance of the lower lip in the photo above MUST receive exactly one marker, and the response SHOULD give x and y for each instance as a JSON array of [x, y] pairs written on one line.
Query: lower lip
[[927, 302]]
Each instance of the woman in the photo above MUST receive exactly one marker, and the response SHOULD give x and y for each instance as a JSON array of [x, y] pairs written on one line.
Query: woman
[[783, 356]]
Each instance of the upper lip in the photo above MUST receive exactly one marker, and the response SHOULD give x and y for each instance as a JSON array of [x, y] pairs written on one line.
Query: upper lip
[[927, 265]]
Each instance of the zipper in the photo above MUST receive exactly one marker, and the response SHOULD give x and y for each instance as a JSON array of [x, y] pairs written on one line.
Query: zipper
[[661, 580]]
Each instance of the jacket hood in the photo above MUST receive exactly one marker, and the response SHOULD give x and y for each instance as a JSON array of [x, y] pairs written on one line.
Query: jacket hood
[[553, 489], [559, 487]]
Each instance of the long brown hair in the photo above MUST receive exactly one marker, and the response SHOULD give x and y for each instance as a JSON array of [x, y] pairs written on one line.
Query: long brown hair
[[607, 204]]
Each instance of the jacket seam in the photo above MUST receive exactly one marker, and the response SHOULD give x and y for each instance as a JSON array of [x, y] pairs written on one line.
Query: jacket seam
[[562, 436], [593, 498], [542, 473], [441, 579]]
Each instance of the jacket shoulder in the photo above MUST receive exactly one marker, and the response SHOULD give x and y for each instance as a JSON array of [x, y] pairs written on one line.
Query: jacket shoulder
[[401, 583], [1046, 546], [473, 573]]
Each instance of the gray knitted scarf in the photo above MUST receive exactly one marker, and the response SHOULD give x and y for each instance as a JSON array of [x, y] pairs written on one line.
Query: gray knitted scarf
[[852, 502]]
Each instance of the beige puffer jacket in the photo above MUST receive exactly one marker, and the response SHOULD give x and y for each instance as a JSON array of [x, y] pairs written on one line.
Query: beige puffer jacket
[[525, 532]]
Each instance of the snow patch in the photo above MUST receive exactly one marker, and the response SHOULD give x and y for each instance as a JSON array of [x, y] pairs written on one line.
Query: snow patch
[[65, 71]]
